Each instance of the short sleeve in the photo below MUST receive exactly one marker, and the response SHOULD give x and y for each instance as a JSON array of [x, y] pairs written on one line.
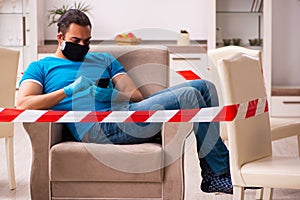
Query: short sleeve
[[34, 72], [114, 66]]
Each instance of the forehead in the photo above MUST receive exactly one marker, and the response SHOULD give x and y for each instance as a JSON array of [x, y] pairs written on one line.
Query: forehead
[[78, 31]]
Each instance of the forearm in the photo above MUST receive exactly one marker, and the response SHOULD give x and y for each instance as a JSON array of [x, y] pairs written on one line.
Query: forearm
[[41, 101], [127, 89], [134, 97]]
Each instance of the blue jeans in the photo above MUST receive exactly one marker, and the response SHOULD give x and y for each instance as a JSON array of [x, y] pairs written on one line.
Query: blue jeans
[[212, 152]]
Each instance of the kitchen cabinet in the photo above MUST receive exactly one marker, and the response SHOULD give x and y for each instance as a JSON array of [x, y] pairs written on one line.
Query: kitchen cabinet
[[17, 22], [188, 66]]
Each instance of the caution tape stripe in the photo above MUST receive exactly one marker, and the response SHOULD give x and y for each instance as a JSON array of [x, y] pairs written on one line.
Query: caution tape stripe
[[32, 115], [210, 114], [206, 114], [162, 116], [74, 116], [261, 106]]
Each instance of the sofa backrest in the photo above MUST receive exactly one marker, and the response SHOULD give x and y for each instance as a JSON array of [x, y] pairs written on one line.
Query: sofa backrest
[[148, 66]]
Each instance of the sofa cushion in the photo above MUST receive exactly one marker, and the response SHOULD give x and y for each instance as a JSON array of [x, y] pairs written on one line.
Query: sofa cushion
[[76, 161]]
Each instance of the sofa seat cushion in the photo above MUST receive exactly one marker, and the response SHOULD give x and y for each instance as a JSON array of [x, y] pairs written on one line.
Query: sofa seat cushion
[[76, 161]]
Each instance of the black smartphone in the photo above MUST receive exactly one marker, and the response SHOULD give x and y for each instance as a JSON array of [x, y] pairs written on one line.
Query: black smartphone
[[103, 82]]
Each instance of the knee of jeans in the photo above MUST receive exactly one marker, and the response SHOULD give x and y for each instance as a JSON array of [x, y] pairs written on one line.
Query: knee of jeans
[[190, 98], [190, 91], [210, 85], [203, 84], [209, 88]]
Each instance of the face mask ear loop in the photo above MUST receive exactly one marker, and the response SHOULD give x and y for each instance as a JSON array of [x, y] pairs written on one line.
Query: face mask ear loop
[[62, 45]]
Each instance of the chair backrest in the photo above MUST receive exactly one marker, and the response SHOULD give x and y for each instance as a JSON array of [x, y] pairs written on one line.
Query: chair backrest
[[141, 63], [8, 76], [229, 51], [223, 53], [249, 139]]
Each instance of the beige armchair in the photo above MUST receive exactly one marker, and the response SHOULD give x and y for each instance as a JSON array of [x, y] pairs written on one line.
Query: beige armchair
[[63, 169], [251, 160], [8, 72]]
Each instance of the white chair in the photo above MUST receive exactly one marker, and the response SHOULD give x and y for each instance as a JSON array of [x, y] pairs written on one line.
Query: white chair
[[222, 53], [8, 74], [251, 160], [278, 125]]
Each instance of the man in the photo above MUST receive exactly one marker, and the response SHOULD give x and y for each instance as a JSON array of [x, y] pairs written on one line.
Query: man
[[66, 81]]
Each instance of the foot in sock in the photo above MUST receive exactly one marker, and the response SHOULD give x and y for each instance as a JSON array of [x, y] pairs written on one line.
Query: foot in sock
[[221, 183]]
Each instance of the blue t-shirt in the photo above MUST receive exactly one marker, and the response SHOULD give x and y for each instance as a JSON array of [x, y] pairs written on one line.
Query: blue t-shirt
[[54, 73]]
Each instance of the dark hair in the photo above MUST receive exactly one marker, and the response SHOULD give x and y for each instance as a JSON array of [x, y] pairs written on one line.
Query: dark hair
[[72, 16]]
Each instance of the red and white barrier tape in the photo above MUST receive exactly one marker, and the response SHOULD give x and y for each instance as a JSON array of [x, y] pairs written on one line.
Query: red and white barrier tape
[[211, 114]]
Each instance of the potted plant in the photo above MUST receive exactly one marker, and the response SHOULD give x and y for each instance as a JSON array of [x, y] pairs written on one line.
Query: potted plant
[[54, 14]]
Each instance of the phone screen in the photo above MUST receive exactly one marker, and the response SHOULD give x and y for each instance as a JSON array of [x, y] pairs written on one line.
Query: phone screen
[[102, 82]]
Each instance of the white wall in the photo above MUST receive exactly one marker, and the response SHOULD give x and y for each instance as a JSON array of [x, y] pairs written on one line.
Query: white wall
[[162, 17], [286, 43]]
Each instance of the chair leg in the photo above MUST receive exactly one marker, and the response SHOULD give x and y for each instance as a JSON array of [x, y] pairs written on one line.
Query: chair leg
[[238, 193], [9, 142], [259, 194], [298, 136], [268, 194]]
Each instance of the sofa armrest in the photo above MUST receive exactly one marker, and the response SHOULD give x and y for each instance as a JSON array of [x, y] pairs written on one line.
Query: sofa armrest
[[173, 141], [42, 137], [56, 133]]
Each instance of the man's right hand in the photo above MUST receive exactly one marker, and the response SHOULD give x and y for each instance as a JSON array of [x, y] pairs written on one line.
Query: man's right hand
[[80, 84]]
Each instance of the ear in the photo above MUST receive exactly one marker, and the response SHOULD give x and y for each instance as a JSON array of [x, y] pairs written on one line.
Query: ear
[[59, 37]]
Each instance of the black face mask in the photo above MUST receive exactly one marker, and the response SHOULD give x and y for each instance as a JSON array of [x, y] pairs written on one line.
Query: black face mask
[[73, 51]]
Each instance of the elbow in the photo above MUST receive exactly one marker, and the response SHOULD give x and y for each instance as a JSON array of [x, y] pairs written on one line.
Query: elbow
[[19, 105], [137, 98], [22, 106]]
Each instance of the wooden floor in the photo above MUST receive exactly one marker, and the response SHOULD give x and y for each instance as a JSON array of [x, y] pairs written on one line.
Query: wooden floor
[[193, 179]]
